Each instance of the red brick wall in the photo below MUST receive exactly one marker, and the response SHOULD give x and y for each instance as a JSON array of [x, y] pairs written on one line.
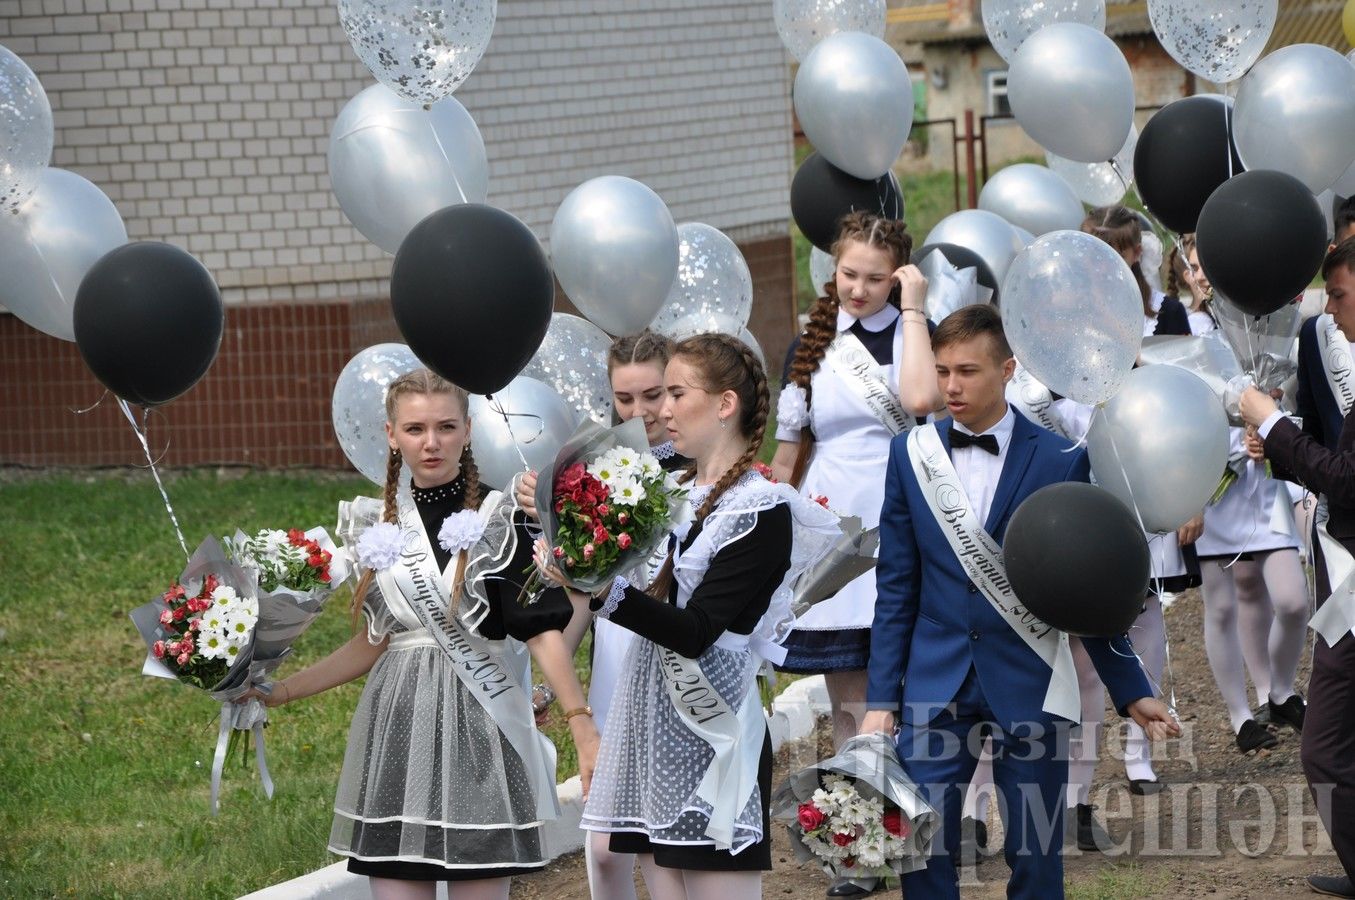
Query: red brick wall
[[266, 400]]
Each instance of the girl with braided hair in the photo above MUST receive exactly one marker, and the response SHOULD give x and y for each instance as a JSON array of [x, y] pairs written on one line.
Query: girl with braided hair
[[1120, 227], [445, 777], [1186, 278], [684, 774], [861, 373]]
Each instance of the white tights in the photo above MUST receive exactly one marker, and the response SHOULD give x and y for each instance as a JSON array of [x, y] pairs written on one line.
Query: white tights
[[688, 884], [611, 876], [1255, 614], [400, 889]]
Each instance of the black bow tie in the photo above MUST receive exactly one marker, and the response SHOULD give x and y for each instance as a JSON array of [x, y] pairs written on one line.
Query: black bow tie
[[960, 439]]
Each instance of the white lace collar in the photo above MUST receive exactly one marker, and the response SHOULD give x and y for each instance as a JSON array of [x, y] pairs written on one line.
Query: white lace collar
[[663, 451], [875, 322]]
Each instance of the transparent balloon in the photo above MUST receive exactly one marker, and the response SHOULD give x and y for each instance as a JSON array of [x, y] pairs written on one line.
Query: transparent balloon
[[1295, 113], [1219, 40], [526, 418], [712, 278], [1073, 315], [989, 235], [614, 248], [1010, 22], [716, 323], [1160, 445], [26, 132], [573, 360], [392, 162], [1033, 198], [358, 408], [854, 100], [421, 49], [1071, 90], [45, 250], [803, 23], [1099, 183], [822, 270]]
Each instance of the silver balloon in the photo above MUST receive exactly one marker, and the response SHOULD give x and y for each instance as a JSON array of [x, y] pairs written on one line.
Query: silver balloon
[[712, 278], [989, 235], [1218, 40], [573, 360], [45, 251], [1073, 315], [716, 323], [1295, 113], [1010, 22], [392, 162], [1160, 445], [822, 270], [803, 23], [26, 132], [1070, 88], [358, 409], [538, 423], [421, 49], [614, 248], [1032, 197], [1099, 183], [854, 100]]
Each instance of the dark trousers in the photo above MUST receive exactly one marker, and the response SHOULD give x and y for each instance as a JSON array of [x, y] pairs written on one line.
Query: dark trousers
[[1328, 747]]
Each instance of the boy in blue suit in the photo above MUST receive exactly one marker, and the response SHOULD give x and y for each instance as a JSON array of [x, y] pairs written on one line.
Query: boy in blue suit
[[945, 655]]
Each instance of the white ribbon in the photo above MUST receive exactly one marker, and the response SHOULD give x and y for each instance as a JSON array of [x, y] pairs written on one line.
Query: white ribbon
[[862, 374], [1336, 617], [981, 558], [1336, 362], [477, 663], [251, 717]]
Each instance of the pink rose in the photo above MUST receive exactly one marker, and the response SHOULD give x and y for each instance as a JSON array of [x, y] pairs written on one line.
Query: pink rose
[[166, 616], [559, 552], [603, 509], [623, 540], [600, 535], [589, 551], [622, 518], [810, 817], [183, 658], [159, 649]]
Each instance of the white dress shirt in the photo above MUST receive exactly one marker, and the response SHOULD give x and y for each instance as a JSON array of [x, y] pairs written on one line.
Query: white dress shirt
[[980, 470], [876, 321]]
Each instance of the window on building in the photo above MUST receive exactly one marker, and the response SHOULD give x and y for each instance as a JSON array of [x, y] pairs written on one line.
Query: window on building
[[997, 94]]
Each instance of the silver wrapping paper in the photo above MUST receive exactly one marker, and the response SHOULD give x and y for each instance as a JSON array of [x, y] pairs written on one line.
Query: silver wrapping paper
[[949, 288], [851, 556], [1262, 344], [872, 762]]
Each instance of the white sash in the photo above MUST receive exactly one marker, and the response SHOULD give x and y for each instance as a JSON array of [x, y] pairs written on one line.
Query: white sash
[[981, 558], [1334, 349], [863, 376], [478, 663], [1036, 402], [1336, 617]]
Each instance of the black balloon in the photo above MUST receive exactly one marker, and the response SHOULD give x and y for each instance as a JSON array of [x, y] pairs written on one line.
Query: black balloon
[[821, 194], [472, 291], [1261, 239], [1077, 559], [961, 258], [1182, 156], [148, 320]]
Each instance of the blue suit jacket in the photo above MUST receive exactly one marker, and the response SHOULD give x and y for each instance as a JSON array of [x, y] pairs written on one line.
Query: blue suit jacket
[[1316, 406], [932, 624]]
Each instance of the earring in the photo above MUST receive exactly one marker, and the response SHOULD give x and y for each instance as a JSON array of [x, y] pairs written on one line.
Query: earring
[[722, 422]]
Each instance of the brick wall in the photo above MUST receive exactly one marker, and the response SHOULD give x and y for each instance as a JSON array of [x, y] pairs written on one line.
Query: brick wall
[[207, 123]]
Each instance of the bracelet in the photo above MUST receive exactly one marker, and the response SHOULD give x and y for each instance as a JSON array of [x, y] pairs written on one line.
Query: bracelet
[[579, 711]]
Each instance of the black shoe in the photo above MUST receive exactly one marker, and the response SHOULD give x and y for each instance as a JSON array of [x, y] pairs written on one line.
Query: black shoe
[[1262, 714], [1290, 712], [1144, 786], [1254, 737], [1332, 885], [1090, 835], [855, 887], [973, 841]]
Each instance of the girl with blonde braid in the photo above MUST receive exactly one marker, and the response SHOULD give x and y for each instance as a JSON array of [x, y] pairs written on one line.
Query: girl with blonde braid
[[684, 773], [445, 777]]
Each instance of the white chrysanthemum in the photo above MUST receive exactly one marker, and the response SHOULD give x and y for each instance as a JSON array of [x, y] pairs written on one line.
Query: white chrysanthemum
[[460, 530], [649, 466], [792, 407], [379, 546], [212, 644], [239, 627], [225, 598], [213, 619], [626, 491], [871, 855], [233, 652]]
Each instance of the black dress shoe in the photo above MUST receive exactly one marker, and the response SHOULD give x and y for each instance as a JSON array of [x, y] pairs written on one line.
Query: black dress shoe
[[1144, 786], [1262, 714], [973, 841], [1254, 737], [1332, 885], [1290, 712], [1089, 834], [855, 887]]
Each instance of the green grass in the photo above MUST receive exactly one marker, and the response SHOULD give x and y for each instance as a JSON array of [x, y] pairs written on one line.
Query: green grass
[[1119, 881]]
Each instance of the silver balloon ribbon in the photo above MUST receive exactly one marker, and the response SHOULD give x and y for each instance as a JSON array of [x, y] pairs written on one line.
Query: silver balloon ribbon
[[497, 406], [950, 288], [93, 406], [140, 432]]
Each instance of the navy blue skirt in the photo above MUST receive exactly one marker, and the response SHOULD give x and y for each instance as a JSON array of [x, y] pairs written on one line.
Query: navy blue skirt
[[834, 650]]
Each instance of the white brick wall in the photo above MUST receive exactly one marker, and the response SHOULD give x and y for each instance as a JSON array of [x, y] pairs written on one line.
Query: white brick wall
[[207, 121]]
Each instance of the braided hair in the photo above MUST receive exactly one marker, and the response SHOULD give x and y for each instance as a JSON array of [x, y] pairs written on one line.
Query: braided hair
[[645, 347], [421, 382], [1119, 227], [724, 363], [857, 227]]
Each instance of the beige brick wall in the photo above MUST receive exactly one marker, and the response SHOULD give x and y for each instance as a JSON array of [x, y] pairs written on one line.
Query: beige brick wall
[[207, 121]]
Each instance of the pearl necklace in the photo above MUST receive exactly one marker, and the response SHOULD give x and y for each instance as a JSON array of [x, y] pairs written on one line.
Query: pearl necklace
[[453, 488]]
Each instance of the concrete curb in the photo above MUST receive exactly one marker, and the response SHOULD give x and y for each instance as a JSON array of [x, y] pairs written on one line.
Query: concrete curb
[[793, 715]]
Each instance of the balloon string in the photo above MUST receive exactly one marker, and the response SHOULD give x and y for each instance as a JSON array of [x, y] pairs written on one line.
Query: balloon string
[[1170, 691], [140, 432], [93, 406], [498, 408], [450, 168], [1110, 433]]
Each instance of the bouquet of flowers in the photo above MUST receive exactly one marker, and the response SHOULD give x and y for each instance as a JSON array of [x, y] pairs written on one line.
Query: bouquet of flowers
[[604, 506], [857, 814], [230, 619]]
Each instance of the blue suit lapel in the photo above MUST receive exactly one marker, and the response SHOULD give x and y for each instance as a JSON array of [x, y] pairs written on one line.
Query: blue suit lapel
[[1019, 454]]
